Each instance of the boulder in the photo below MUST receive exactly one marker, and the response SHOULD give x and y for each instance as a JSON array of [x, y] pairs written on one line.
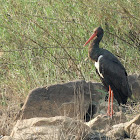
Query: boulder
[[117, 131], [103, 122], [53, 128], [7, 138], [134, 82], [96, 135], [128, 129], [103, 106], [71, 99], [78, 99], [135, 131]]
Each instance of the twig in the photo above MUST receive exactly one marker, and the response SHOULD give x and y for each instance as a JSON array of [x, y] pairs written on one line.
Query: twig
[[43, 48], [38, 48], [119, 38], [45, 30]]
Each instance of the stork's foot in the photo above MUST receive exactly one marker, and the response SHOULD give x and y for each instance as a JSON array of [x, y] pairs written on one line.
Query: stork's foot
[[110, 115]]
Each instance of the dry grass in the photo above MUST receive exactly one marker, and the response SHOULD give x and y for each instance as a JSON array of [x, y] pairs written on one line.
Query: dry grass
[[7, 118], [132, 110]]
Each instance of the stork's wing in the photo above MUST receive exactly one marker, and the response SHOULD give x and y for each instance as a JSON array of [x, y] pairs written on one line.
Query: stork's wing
[[114, 74]]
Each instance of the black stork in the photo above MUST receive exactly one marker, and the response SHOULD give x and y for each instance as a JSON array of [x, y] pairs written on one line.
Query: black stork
[[110, 70]]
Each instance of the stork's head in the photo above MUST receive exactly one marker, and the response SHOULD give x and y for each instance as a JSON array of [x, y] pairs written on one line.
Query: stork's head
[[97, 32]]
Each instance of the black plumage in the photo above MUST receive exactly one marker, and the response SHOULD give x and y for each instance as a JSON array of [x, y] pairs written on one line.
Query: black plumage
[[109, 68]]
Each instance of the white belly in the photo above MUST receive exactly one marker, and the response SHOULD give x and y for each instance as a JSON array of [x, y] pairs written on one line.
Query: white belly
[[97, 65]]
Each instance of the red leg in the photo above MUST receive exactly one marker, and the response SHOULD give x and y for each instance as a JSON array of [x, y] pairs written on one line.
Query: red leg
[[108, 110], [111, 104]]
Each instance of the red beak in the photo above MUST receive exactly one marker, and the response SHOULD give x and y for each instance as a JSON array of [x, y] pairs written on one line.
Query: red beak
[[93, 35]]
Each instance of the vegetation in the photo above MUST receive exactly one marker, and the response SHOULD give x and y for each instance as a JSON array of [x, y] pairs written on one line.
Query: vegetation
[[42, 41]]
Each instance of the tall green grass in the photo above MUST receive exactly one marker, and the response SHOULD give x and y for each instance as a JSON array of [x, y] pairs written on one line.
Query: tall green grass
[[42, 41]]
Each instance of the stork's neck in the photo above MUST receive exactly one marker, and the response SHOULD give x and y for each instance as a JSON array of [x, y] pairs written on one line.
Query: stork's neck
[[94, 50]]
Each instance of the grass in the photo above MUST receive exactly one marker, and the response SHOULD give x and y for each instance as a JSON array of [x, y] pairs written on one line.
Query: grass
[[42, 41]]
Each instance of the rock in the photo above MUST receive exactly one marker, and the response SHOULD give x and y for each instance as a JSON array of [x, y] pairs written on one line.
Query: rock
[[134, 82], [117, 131], [103, 122], [96, 136], [135, 131], [71, 99], [7, 138], [136, 121], [54, 128], [103, 106], [131, 129]]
